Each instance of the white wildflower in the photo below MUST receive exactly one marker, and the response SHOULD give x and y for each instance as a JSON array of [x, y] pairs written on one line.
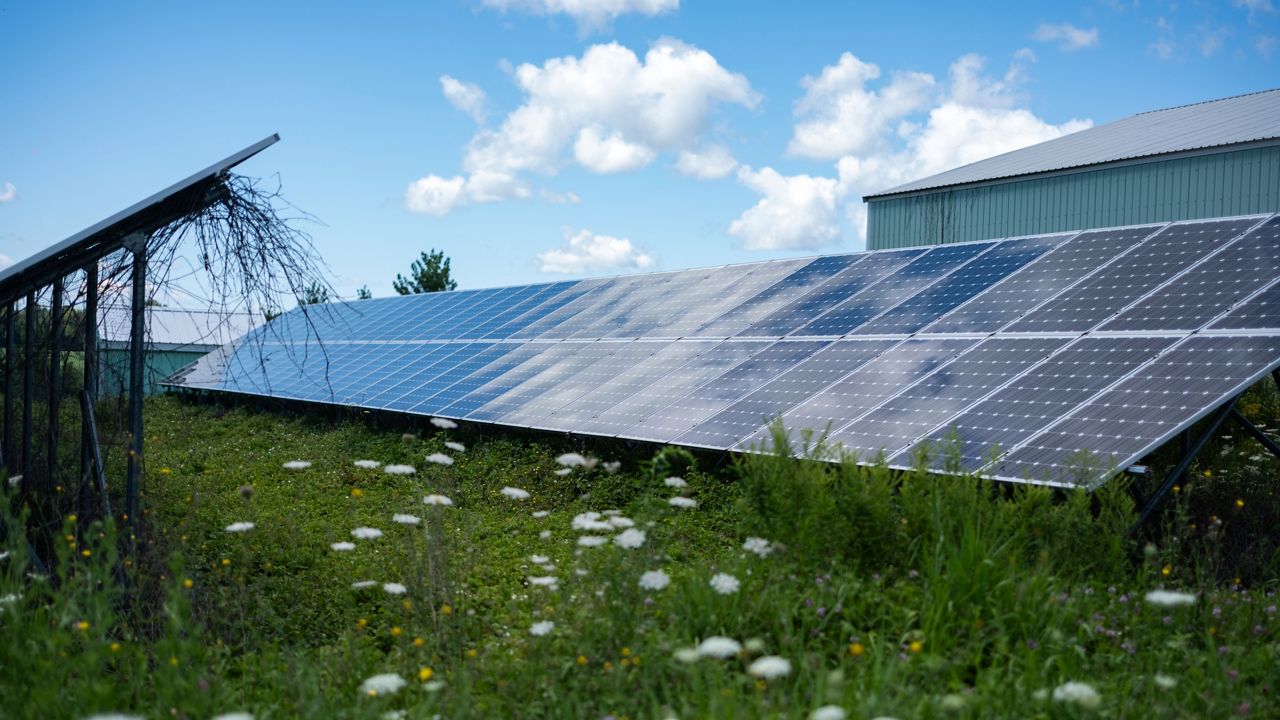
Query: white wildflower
[[547, 581], [682, 502], [564, 471], [234, 716], [436, 500], [619, 521], [759, 546], [239, 527], [1165, 682], [629, 539], [675, 482], [539, 559], [654, 580], [687, 655], [4, 555], [545, 535], [343, 546], [719, 647], [724, 583], [755, 646], [590, 521], [515, 493], [1170, 598], [539, 514], [384, 684], [455, 446], [770, 667], [433, 686], [444, 423], [113, 716], [399, 470], [366, 533], [363, 584], [828, 712], [1078, 693], [394, 715], [571, 460], [592, 540], [612, 467], [406, 519], [539, 629], [366, 464], [439, 459], [393, 588], [297, 465]]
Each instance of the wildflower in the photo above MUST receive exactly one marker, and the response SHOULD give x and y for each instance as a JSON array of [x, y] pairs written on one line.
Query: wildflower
[[226, 562], [546, 581], [682, 502], [188, 584], [619, 521], [405, 519], [675, 482], [828, 712], [590, 521], [455, 446], [719, 647], [396, 631], [399, 470], [357, 493], [436, 500], [408, 438], [419, 642], [234, 716], [366, 464], [770, 667], [915, 647], [539, 514], [343, 546], [384, 684], [425, 674], [629, 539], [394, 715], [545, 534], [539, 559], [539, 629], [1166, 570], [571, 460], [1169, 598], [1239, 503], [612, 467], [564, 471], [434, 686], [759, 546], [1078, 693], [297, 465], [687, 655], [582, 660], [724, 583], [515, 493], [366, 533], [439, 459], [113, 716], [15, 480], [239, 527], [1164, 682], [362, 584], [82, 626], [592, 540], [754, 646], [443, 423], [393, 588], [446, 609], [654, 580], [4, 554], [856, 649]]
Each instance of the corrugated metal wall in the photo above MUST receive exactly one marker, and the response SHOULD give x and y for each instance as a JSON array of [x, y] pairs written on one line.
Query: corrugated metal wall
[[1232, 183]]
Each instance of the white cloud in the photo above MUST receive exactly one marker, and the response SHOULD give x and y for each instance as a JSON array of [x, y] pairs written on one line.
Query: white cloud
[[1069, 37], [1265, 45], [798, 212], [434, 195], [845, 117], [465, 96], [584, 251], [616, 111], [612, 154], [5, 261], [709, 163], [971, 117], [589, 14], [8, 192]]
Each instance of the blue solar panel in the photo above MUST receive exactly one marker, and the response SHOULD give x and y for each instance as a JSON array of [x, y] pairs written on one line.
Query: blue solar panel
[[799, 281]]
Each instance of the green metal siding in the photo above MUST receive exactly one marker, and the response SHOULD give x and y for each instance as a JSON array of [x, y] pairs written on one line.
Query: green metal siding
[[1231, 183], [113, 365]]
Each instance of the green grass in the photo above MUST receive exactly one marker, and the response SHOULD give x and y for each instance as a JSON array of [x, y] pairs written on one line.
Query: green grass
[[890, 595]]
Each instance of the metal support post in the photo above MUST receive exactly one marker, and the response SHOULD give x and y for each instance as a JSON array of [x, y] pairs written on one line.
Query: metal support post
[[1257, 434], [1180, 470], [10, 329], [137, 366], [88, 444], [28, 387], [55, 384]]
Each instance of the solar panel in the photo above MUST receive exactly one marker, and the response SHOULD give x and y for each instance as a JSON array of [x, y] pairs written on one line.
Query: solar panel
[[1027, 351]]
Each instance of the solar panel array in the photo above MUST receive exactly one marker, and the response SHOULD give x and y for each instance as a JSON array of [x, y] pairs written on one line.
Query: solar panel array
[[1028, 351]]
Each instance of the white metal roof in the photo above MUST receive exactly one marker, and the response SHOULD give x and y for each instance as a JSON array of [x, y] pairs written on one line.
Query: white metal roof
[[176, 328], [1230, 121]]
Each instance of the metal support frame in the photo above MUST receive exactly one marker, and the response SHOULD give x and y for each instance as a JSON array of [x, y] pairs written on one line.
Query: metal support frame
[[137, 366], [10, 331], [1253, 431], [28, 387], [1180, 470], [88, 431], [55, 384], [95, 469]]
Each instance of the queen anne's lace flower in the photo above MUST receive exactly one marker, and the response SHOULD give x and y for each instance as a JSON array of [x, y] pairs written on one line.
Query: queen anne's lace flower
[[343, 546], [384, 684], [239, 527], [719, 647], [1170, 598], [629, 539], [770, 667], [444, 423], [724, 583], [406, 519], [455, 446], [366, 464], [654, 580], [1077, 693], [297, 465], [592, 540], [539, 629], [682, 502], [759, 546], [439, 459], [515, 493], [366, 533], [675, 482], [393, 588], [436, 500], [399, 470]]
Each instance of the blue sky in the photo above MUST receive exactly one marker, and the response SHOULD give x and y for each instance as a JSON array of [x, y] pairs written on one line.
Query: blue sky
[[546, 139]]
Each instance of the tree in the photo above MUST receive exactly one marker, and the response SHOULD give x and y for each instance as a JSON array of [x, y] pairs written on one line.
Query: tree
[[430, 274], [364, 293], [314, 294]]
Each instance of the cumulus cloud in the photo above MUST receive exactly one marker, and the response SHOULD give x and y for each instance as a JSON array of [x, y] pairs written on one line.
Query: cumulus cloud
[[465, 96], [589, 14], [709, 163], [1068, 37], [969, 117], [585, 251], [5, 261], [434, 195], [8, 192], [609, 111]]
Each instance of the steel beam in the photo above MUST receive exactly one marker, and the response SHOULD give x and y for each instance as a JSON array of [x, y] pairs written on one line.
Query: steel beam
[[137, 366], [88, 444], [10, 330], [28, 387], [55, 384], [1180, 470]]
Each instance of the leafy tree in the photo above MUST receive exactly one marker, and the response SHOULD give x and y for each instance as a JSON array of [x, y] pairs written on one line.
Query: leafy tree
[[314, 294], [430, 274], [364, 293]]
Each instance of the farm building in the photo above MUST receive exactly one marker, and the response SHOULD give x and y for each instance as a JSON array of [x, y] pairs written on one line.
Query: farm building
[[176, 337], [1211, 159]]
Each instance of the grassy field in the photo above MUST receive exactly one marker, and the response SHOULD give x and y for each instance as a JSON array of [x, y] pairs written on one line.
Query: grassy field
[[527, 588]]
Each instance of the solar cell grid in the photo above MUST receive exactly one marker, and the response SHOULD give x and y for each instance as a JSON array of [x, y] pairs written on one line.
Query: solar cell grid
[[511, 376], [805, 276], [919, 273], [592, 292], [1259, 312], [413, 371], [1131, 276], [551, 303], [617, 357], [467, 394], [1145, 409], [575, 358], [611, 391]]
